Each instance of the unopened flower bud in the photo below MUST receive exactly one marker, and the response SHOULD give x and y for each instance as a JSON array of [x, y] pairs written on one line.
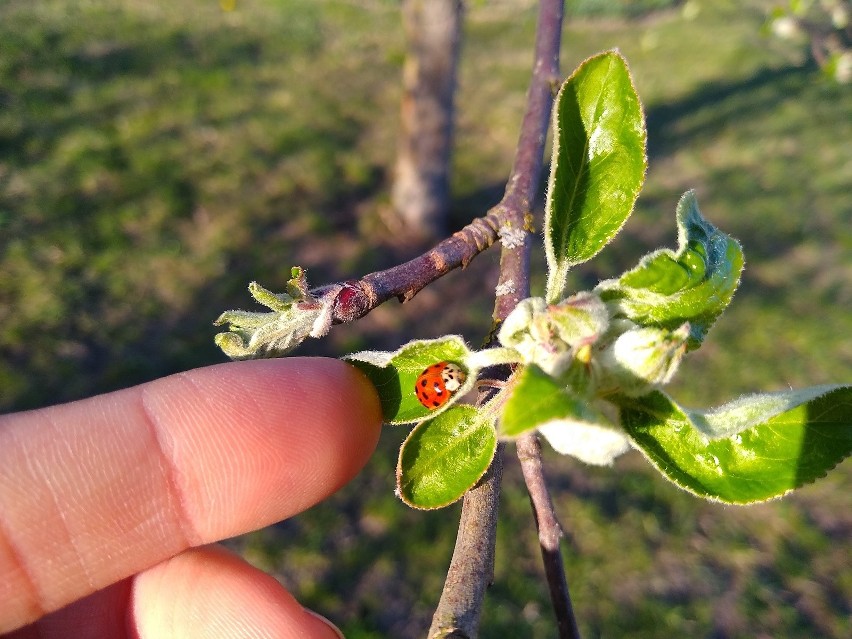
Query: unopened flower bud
[[553, 337], [641, 358]]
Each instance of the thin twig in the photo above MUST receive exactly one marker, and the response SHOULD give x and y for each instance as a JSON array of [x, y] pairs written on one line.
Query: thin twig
[[458, 611], [549, 534], [356, 298]]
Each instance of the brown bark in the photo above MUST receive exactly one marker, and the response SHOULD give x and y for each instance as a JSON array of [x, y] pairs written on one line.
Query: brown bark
[[421, 191], [471, 567]]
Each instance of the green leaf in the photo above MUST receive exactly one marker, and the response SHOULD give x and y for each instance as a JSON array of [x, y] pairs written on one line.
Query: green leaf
[[752, 410], [569, 424], [394, 374], [296, 315], [444, 457], [598, 164], [537, 398], [764, 445], [694, 284]]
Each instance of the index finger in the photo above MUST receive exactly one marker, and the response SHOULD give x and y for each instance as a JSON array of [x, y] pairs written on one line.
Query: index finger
[[97, 490]]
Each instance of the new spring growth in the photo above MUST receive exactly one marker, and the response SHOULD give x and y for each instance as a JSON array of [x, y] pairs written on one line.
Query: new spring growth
[[295, 315], [578, 342], [554, 337], [640, 358]]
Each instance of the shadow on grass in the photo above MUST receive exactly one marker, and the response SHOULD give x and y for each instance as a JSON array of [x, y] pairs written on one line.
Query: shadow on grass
[[115, 251], [720, 105]]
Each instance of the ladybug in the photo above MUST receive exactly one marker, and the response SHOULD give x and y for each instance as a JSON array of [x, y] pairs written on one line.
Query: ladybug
[[436, 384]]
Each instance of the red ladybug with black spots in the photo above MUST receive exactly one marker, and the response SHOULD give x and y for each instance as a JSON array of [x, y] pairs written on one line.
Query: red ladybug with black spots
[[436, 384]]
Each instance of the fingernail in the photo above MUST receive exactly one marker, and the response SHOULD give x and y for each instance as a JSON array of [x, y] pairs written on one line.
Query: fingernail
[[326, 622]]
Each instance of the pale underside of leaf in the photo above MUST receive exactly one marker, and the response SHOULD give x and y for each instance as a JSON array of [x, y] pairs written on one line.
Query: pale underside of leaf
[[591, 443], [792, 448]]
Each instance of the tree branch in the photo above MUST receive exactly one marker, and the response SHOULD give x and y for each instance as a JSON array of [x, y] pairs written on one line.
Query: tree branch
[[549, 534], [458, 612], [471, 567], [356, 298], [359, 297]]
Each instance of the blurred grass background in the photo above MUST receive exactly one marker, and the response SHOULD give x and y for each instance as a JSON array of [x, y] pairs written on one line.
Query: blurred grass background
[[155, 157]]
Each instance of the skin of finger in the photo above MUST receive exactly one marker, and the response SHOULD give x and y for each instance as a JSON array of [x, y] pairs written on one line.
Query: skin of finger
[[101, 614], [209, 592], [203, 592], [97, 490]]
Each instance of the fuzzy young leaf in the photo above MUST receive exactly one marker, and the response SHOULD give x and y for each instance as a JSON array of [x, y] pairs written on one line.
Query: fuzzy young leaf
[[395, 373], [598, 164], [295, 315], [536, 398], [694, 284], [765, 445], [443, 457], [569, 424]]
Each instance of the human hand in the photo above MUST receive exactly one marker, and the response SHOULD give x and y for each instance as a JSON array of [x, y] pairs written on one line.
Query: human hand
[[110, 502]]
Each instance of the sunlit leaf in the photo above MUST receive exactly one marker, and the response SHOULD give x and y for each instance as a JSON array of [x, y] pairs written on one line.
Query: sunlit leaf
[[598, 164], [569, 424], [694, 284], [444, 457], [394, 374], [536, 398], [763, 446]]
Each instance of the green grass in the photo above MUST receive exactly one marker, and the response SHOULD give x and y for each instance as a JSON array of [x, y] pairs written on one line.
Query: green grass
[[155, 158]]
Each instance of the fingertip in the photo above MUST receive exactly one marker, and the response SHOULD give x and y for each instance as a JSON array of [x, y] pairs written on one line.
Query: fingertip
[[130, 478], [336, 632], [267, 438], [323, 400], [340, 394], [210, 592]]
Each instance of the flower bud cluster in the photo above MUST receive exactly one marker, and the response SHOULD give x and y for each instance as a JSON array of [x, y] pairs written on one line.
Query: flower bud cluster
[[579, 342], [553, 336]]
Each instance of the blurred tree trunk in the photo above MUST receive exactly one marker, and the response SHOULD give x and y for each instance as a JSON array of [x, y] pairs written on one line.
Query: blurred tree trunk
[[421, 191]]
